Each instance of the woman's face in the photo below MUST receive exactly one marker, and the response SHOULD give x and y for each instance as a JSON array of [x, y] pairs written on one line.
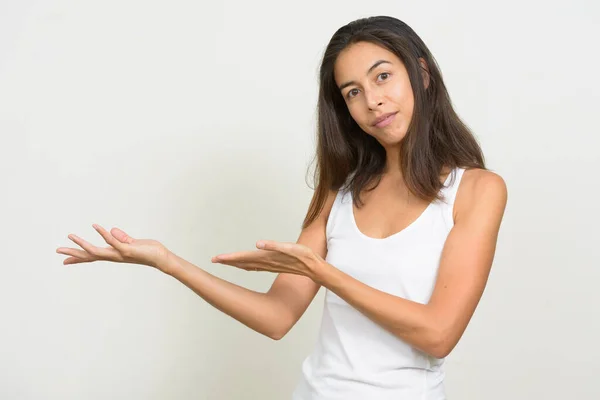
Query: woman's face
[[374, 83]]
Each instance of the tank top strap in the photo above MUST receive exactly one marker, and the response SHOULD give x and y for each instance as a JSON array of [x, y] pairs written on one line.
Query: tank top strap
[[451, 189], [341, 198], [331, 219], [449, 195]]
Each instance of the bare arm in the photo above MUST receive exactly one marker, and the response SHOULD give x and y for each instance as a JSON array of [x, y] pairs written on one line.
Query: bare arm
[[272, 313], [436, 327]]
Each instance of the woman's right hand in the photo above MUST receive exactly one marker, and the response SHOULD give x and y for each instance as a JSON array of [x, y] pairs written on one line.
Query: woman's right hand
[[123, 248]]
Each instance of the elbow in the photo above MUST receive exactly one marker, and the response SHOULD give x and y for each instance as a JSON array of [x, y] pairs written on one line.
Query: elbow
[[441, 341], [279, 333], [439, 350], [276, 336], [441, 345]]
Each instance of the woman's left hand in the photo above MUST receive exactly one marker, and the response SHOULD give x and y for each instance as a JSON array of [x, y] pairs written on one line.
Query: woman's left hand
[[289, 258]]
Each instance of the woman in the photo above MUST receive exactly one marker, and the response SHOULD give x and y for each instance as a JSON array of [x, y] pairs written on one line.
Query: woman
[[401, 230]]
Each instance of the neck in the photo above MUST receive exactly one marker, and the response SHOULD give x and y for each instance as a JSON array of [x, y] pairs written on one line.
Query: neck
[[392, 165]]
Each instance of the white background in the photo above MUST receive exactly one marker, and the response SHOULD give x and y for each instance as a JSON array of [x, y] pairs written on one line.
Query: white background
[[193, 123]]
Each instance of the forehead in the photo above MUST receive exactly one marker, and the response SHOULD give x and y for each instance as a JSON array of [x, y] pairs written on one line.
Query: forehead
[[354, 61]]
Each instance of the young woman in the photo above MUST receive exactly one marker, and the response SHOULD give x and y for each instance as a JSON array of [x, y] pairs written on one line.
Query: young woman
[[401, 230]]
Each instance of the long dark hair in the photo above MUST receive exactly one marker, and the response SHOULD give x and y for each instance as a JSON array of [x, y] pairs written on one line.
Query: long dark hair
[[436, 137]]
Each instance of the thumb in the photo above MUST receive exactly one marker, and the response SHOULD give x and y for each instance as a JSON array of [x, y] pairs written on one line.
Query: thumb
[[121, 236]]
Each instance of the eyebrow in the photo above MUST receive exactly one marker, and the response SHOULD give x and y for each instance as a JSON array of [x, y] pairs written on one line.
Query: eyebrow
[[377, 64]]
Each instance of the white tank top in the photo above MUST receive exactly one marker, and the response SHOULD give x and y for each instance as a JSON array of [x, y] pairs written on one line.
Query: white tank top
[[355, 358]]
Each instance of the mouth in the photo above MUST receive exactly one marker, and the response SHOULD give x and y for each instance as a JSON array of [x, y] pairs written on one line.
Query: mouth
[[384, 120]]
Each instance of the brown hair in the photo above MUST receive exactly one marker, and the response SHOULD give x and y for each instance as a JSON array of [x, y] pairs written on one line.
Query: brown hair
[[436, 137]]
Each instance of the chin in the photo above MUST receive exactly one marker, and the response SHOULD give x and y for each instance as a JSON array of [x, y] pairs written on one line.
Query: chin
[[391, 140]]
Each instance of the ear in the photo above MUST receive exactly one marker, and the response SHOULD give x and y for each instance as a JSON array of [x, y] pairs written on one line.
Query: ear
[[424, 71]]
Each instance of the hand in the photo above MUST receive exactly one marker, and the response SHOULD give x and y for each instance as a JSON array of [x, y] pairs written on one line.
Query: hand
[[123, 249], [290, 258]]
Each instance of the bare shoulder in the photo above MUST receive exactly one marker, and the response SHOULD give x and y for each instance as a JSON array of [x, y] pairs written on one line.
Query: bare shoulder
[[331, 195], [478, 179], [480, 188], [314, 235]]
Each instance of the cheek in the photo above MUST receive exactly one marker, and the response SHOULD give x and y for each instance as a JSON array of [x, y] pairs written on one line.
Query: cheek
[[406, 96], [401, 94], [357, 113]]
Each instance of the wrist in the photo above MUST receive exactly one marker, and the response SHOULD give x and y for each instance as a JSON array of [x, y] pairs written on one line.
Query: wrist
[[319, 272], [168, 263]]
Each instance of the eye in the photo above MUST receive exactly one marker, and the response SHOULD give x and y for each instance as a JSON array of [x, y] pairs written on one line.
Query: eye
[[353, 92], [387, 74], [350, 95]]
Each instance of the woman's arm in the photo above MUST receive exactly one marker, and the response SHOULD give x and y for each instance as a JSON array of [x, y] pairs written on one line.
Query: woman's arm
[[436, 327], [256, 310], [273, 313]]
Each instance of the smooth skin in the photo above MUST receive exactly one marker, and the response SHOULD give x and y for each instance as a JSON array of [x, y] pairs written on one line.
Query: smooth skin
[[434, 328], [272, 313], [374, 82]]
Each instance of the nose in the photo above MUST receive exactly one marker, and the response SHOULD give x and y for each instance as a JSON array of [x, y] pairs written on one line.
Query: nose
[[374, 99]]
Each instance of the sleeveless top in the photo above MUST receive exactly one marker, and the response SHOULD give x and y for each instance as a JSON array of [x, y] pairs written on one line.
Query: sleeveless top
[[355, 358]]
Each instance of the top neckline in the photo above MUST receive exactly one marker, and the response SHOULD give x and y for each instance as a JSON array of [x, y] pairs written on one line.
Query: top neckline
[[405, 229]]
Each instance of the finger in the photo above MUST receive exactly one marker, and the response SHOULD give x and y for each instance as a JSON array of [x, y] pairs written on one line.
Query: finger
[[96, 252], [83, 244], [273, 245], [241, 256], [266, 245], [107, 253], [121, 236], [77, 260], [72, 252], [108, 238]]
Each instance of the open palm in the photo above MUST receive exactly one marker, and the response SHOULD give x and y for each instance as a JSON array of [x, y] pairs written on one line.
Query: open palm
[[122, 248]]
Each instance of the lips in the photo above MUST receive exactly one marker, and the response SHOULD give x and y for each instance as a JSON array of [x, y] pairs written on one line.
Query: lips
[[384, 119]]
